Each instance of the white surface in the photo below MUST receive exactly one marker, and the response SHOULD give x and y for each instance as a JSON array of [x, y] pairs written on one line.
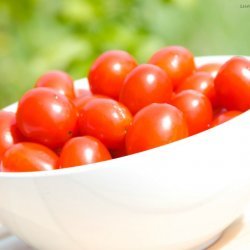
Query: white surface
[[172, 197], [13, 243], [236, 236]]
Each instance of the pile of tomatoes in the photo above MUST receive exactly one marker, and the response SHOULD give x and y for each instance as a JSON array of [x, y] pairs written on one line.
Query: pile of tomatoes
[[129, 108]]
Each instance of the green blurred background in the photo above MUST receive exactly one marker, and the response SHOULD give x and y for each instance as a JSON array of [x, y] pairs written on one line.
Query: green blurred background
[[40, 35]]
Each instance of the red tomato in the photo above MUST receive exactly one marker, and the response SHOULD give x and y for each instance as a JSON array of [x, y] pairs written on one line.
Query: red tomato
[[218, 111], [226, 116], [177, 61], [9, 133], [82, 101], [105, 119], [83, 150], [29, 157], [144, 85], [109, 71], [211, 68], [196, 108], [232, 84], [60, 81], [202, 82], [155, 125], [46, 117]]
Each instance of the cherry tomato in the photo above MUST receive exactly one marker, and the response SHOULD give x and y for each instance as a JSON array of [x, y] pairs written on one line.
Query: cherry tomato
[[29, 157], [155, 125], [177, 61], [202, 82], [232, 84], [219, 110], [144, 85], [60, 81], [83, 150], [81, 101], [9, 133], [46, 117], [105, 119], [226, 116], [211, 68], [109, 71], [196, 108]]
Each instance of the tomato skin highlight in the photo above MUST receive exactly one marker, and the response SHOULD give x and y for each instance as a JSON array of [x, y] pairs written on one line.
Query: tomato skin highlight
[[232, 84], [176, 61], [196, 108], [83, 150], [202, 82], [46, 117], [29, 157], [155, 125], [107, 120], [9, 133], [60, 81], [224, 117], [108, 72], [144, 85]]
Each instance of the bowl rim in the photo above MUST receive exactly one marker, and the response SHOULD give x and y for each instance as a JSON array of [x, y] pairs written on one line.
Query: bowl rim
[[200, 60]]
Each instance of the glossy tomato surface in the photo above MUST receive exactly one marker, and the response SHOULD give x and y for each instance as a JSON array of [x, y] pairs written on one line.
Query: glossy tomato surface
[[9, 133], [144, 85], [218, 111], [46, 117], [196, 108], [80, 102], [202, 82], [105, 119], [155, 125], [177, 61], [83, 150], [60, 81], [232, 84], [211, 68], [108, 72], [226, 116], [29, 157]]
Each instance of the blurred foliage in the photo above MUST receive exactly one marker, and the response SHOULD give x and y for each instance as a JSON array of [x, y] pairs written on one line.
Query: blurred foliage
[[40, 35]]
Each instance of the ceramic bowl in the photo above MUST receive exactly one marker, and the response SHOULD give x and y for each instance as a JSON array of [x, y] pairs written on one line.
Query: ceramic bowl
[[178, 196]]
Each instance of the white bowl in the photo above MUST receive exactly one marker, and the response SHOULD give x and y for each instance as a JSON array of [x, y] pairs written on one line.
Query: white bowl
[[174, 197]]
